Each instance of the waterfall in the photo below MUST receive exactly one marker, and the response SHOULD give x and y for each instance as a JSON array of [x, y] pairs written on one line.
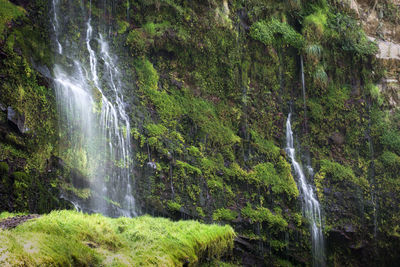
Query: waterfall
[[311, 207], [127, 10], [303, 86], [93, 119]]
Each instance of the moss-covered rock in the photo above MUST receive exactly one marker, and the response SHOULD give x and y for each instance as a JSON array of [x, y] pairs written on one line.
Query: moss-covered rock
[[72, 238]]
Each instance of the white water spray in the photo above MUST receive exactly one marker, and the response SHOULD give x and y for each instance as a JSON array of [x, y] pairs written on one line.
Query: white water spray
[[92, 110]]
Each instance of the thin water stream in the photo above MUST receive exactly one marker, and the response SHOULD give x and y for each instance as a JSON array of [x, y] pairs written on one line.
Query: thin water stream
[[310, 204]]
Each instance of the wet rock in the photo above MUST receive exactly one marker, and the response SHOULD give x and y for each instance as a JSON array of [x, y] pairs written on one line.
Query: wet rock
[[390, 88], [152, 165], [337, 138], [327, 190], [169, 155], [349, 228], [3, 107], [354, 6], [17, 119], [387, 49]]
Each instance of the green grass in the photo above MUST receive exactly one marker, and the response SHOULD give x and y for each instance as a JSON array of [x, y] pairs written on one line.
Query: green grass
[[69, 238]]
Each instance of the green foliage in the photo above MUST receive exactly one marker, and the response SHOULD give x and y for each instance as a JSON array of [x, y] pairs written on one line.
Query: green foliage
[[224, 215], [83, 193], [8, 12], [4, 168], [279, 182], [320, 76], [191, 170], [374, 93], [137, 41], [122, 26], [390, 160], [72, 238], [194, 151], [174, 206], [261, 214], [314, 51], [156, 130], [391, 139], [347, 33], [21, 189], [338, 173], [200, 212], [274, 32], [266, 146], [316, 21]]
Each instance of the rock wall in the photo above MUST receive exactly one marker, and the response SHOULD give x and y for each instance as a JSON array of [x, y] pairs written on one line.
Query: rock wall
[[208, 88]]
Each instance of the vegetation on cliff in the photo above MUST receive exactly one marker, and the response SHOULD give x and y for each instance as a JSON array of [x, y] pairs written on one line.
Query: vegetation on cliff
[[209, 85]]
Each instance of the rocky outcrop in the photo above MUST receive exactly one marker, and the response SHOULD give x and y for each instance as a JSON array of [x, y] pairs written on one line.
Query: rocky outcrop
[[17, 119], [387, 49], [385, 32]]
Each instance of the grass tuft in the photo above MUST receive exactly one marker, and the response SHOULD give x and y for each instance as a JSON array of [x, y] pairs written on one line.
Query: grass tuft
[[65, 238]]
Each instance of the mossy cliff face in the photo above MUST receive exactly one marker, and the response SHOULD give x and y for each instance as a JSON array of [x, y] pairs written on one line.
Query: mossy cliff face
[[28, 120], [210, 84]]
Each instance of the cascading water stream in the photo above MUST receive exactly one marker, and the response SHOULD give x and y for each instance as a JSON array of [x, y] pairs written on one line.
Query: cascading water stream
[[311, 207], [92, 110], [303, 86]]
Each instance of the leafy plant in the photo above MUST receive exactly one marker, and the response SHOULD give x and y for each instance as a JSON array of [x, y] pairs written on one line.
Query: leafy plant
[[274, 32]]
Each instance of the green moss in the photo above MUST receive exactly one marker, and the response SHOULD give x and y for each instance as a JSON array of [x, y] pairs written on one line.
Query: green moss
[[390, 160], [188, 168], [4, 168], [194, 151], [137, 41], [337, 172], [200, 212], [122, 26], [316, 21], [8, 12], [375, 93], [156, 130], [173, 206], [391, 139], [224, 215], [261, 214], [266, 146], [276, 32], [71, 238], [346, 32], [280, 182], [22, 190]]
